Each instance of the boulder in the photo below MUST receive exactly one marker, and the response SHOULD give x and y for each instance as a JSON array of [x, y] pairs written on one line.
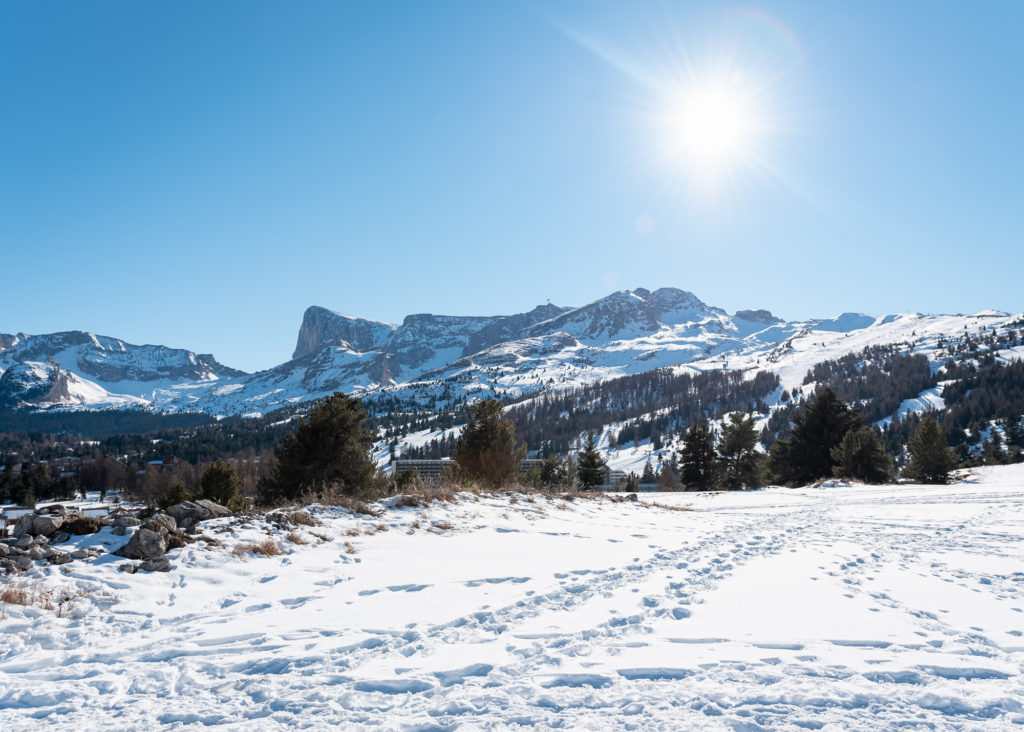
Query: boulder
[[36, 553], [126, 521], [83, 554], [161, 523], [78, 524], [633, 497], [128, 567], [119, 531], [199, 510], [23, 525], [160, 564], [144, 544], [60, 558], [60, 537], [47, 525], [24, 562], [24, 541], [4, 551], [8, 566]]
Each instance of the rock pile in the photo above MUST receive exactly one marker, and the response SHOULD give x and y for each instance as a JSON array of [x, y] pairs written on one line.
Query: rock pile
[[35, 533]]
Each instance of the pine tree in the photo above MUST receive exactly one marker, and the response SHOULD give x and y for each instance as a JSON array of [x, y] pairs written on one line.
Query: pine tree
[[486, 450], [699, 460], [860, 456], [806, 455], [742, 464], [220, 483], [648, 476], [330, 449], [931, 460], [590, 466]]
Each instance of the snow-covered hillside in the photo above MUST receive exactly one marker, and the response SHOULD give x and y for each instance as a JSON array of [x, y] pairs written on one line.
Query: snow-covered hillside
[[431, 359], [840, 607]]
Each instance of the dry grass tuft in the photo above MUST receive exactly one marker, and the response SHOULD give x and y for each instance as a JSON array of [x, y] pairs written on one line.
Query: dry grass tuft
[[329, 497], [60, 600], [668, 507], [562, 506], [266, 548], [296, 538], [382, 527], [349, 549], [441, 526], [302, 518], [352, 532], [320, 535], [370, 531]]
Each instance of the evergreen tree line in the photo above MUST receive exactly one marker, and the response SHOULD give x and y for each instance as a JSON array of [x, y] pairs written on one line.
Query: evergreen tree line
[[551, 422]]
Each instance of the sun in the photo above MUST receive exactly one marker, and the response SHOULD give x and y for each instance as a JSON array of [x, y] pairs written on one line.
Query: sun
[[713, 124], [710, 128]]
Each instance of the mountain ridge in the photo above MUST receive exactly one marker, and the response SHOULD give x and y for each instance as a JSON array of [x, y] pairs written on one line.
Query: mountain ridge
[[430, 357]]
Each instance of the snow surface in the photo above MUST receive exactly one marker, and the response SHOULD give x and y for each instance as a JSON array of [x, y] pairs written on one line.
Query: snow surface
[[841, 607]]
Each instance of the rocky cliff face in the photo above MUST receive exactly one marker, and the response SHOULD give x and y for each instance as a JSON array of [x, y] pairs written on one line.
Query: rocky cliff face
[[322, 327]]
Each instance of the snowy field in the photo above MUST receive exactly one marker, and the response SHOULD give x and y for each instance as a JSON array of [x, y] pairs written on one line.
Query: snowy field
[[841, 607]]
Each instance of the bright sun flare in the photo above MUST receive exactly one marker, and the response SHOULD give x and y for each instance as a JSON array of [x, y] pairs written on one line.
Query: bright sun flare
[[712, 126]]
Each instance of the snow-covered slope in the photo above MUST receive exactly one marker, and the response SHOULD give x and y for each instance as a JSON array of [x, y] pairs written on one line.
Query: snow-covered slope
[[841, 607], [432, 357]]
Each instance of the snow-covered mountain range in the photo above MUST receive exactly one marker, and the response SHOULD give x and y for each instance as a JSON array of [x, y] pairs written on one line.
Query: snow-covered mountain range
[[432, 358]]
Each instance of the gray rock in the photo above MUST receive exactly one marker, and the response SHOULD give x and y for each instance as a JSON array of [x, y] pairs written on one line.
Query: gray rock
[[189, 525], [24, 562], [23, 525], [126, 521], [25, 541], [60, 537], [160, 564], [200, 510], [4, 551], [8, 566], [36, 553], [119, 531], [144, 544], [82, 554], [79, 524], [128, 567], [633, 497], [162, 524], [47, 525], [60, 558]]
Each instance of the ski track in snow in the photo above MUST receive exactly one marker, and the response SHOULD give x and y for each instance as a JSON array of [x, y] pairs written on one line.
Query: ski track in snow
[[853, 607]]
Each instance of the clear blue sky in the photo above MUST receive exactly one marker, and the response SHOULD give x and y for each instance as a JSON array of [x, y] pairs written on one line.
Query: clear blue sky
[[196, 174]]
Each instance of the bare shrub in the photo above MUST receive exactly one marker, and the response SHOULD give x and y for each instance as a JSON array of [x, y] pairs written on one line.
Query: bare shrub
[[296, 538], [382, 527], [266, 548], [349, 549], [352, 532], [370, 531]]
